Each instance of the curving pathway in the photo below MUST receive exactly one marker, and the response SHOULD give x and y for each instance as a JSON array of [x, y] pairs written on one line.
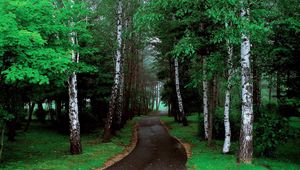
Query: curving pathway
[[155, 149]]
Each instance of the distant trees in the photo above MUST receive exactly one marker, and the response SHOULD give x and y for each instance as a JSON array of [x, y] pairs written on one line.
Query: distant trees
[[131, 89]]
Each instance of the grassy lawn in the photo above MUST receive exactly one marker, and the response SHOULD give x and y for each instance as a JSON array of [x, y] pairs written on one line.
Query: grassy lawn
[[42, 148], [203, 157]]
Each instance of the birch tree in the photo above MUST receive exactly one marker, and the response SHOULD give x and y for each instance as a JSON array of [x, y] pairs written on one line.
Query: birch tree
[[120, 99], [158, 96], [75, 143], [226, 146], [179, 98], [246, 136], [205, 100], [117, 77]]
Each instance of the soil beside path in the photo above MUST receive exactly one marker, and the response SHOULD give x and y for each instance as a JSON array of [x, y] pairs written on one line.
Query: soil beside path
[[155, 149]]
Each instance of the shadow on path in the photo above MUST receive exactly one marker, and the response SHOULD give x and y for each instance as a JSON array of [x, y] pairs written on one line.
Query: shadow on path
[[155, 149]]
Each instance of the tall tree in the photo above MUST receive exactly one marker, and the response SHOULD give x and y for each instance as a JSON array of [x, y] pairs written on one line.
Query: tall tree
[[179, 98], [226, 146], [116, 85], [120, 97], [246, 133], [75, 143], [205, 99]]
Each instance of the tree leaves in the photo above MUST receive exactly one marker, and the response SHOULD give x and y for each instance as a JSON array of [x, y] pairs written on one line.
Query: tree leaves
[[34, 37], [186, 46]]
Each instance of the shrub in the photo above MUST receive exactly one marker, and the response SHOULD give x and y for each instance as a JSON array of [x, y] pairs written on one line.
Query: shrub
[[269, 132], [218, 124], [219, 130]]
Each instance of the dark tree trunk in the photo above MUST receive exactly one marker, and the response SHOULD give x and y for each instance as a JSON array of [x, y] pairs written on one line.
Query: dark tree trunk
[[128, 86], [58, 107], [11, 130], [278, 89], [169, 109], [213, 106], [31, 108], [270, 92], [256, 88], [40, 112]]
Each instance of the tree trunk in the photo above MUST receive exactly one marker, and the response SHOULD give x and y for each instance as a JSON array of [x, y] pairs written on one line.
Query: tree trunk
[[128, 81], [205, 100], [246, 136], [2, 141], [179, 99], [137, 86], [30, 111], [58, 107], [256, 88], [155, 97], [11, 130], [40, 112], [278, 89], [169, 109], [226, 146], [158, 97], [213, 105], [120, 97], [75, 143], [112, 104], [270, 90]]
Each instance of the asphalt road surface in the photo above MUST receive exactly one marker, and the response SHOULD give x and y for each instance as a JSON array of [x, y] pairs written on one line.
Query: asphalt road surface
[[155, 149]]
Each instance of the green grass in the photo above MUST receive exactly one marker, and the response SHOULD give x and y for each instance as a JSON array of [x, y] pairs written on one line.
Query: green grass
[[42, 148], [210, 158]]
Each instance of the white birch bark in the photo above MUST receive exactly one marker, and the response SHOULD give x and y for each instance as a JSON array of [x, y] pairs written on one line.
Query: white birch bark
[[246, 136], [75, 144], [179, 99], [158, 96], [121, 43], [226, 146], [116, 85], [120, 98], [205, 100]]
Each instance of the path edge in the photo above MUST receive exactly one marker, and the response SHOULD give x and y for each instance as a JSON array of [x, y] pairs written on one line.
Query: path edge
[[128, 149], [186, 145]]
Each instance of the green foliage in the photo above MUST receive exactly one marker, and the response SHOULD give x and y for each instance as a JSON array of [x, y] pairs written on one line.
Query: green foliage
[[269, 132], [186, 46], [226, 13], [4, 115], [34, 40], [219, 130]]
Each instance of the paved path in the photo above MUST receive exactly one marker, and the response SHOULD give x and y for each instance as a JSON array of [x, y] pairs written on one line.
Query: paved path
[[155, 150]]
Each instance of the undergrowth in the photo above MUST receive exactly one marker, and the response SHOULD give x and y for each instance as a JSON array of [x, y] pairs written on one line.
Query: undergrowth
[[211, 158]]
